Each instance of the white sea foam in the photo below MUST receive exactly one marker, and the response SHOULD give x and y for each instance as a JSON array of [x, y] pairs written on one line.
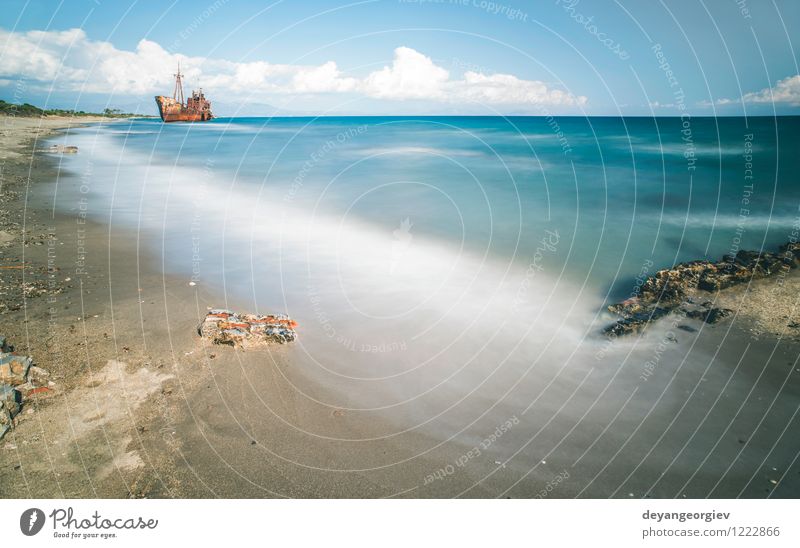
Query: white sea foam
[[355, 286], [417, 150], [679, 149], [727, 221]]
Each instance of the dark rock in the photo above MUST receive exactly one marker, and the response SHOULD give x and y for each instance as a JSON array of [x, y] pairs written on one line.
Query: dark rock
[[10, 405], [634, 323], [695, 312], [671, 288], [716, 314], [790, 253], [705, 312], [14, 369]]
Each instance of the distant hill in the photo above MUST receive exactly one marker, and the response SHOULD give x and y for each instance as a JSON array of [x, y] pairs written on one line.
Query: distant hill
[[28, 110]]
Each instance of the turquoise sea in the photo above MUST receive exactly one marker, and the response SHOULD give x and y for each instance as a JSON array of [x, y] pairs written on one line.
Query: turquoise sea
[[417, 203]]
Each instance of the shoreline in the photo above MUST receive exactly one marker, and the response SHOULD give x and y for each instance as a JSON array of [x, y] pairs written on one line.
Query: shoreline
[[144, 408], [141, 405]]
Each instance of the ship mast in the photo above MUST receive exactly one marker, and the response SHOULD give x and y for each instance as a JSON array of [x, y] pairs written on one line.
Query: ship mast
[[178, 91]]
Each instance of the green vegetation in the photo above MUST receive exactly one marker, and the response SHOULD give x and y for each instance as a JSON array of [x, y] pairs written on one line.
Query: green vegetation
[[28, 110], [20, 110]]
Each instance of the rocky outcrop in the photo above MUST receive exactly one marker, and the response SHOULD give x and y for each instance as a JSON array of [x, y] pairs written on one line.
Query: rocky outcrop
[[14, 368], [19, 379], [61, 149], [227, 327], [677, 289], [10, 404]]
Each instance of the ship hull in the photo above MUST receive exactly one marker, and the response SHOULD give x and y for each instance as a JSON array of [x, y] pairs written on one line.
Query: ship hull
[[172, 111]]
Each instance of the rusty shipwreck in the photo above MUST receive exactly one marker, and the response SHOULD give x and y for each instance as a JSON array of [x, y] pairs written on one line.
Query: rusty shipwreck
[[173, 109]]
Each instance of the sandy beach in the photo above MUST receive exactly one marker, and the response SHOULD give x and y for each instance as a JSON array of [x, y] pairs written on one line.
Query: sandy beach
[[110, 380]]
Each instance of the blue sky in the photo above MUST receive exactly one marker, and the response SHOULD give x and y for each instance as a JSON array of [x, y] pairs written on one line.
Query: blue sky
[[410, 57]]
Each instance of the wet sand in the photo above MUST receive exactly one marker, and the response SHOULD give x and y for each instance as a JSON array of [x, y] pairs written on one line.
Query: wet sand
[[144, 408]]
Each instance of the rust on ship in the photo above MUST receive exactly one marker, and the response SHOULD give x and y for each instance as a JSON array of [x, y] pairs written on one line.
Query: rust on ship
[[175, 109]]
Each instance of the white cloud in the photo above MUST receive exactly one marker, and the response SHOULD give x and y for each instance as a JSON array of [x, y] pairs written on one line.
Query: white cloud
[[70, 61], [411, 76], [322, 79], [415, 76], [785, 91], [508, 89]]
